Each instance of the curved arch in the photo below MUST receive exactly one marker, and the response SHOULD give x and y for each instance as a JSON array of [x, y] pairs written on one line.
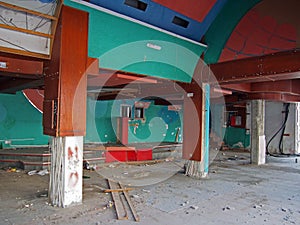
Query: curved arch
[[267, 28], [220, 31]]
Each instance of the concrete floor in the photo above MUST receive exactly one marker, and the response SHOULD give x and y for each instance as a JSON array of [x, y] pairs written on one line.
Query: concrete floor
[[234, 193]]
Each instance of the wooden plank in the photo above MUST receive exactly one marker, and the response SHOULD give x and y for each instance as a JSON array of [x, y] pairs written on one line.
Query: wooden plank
[[26, 31], [25, 10], [134, 213], [119, 206], [54, 25], [146, 162], [117, 190], [122, 148], [24, 52]]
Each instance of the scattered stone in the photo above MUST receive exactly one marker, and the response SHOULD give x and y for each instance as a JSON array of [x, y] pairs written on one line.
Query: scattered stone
[[194, 207], [283, 209], [182, 204], [144, 190], [258, 206], [227, 208], [135, 196], [109, 204]]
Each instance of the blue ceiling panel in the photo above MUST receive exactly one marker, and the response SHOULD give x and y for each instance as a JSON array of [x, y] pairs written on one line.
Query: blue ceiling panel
[[156, 15]]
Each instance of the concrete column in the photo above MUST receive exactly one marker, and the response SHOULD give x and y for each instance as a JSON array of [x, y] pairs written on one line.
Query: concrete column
[[258, 139], [65, 187], [205, 132]]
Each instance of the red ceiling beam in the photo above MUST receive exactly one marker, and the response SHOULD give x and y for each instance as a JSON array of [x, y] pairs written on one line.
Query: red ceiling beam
[[277, 66], [243, 87], [274, 97], [14, 66], [18, 84], [285, 86]]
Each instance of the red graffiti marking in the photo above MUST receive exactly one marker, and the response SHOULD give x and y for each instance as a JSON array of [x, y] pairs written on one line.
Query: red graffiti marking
[[73, 179], [76, 150], [70, 153]]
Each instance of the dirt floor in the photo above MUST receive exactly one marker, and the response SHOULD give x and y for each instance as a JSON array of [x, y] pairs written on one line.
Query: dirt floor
[[234, 193]]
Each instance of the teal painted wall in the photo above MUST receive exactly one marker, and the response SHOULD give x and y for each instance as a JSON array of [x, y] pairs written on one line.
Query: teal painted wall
[[233, 137], [159, 125], [20, 122], [122, 45]]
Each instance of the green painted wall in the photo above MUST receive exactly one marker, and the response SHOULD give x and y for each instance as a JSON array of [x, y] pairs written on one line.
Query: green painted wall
[[160, 124], [20, 122], [121, 44], [233, 137], [221, 29]]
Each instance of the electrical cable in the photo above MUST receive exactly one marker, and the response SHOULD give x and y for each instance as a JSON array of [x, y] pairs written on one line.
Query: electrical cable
[[282, 129], [287, 106]]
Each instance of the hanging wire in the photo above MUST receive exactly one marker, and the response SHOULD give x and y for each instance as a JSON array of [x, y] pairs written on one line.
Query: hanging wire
[[1, 39]]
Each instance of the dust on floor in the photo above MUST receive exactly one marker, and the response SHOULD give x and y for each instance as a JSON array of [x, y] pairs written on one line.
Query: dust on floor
[[234, 193]]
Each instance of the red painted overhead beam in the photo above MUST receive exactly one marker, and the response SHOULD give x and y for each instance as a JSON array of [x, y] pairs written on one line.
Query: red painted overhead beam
[[243, 87], [20, 66], [285, 86], [277, 66], [274, 97], [13, 85]]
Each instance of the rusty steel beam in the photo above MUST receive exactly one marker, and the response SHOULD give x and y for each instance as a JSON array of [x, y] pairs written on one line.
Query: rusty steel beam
[[285, 86], [272, 67], [18, 67], [65, 80], [13, 85], [243, 87], [274, 97]]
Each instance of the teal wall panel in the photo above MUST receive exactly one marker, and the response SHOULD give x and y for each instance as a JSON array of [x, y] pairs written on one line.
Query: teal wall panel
[[236, 137], [20, 122], [159, 125], [121, 44]]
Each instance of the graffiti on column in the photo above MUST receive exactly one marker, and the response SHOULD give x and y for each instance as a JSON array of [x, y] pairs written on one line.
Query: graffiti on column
[[73, 167]]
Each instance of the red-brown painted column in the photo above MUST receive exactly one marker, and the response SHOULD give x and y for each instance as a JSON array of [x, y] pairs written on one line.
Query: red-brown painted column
[[192, 122], [65, 106]]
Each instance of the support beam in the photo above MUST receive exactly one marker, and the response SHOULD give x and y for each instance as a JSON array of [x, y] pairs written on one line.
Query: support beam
[[65, 80], [258, 139], [21, 67], [64, 115], [14, 85], [192, 122], [284, 87], [272, 67], [205, 148]]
